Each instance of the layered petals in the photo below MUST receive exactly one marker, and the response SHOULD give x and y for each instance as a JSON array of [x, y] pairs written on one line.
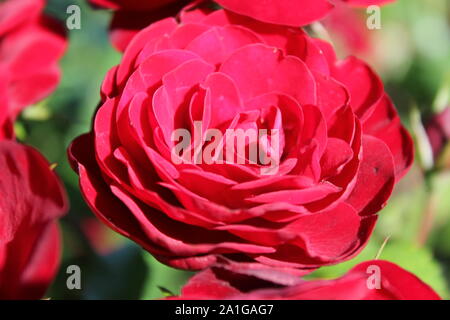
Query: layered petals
[[222, 137]]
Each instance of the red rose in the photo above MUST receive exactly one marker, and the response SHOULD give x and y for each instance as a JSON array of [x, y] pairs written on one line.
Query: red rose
[[371, 280], [341, 145], [132, 16], [32, 198], [30, 45]]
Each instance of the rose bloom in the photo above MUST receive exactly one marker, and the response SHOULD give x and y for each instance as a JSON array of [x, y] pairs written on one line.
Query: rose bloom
[[133, 15], [342, 146], [31, 44], [32, 198], [371, 280]]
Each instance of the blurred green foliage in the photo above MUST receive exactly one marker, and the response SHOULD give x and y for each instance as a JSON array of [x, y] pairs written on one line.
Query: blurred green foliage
[[412, 53]]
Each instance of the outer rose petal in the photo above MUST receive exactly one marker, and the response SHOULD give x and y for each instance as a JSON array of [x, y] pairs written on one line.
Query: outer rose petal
[[396, 284], [32, 198], [95, 191], [403, 284], [207, 285], [376, 178], [293, 13], [384, 123], [363, 84]]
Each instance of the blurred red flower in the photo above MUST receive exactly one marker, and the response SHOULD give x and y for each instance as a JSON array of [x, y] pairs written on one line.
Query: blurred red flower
[[371, 280], [31, 43], [438, 131], [32, 198], [102, 239], [348, 30]]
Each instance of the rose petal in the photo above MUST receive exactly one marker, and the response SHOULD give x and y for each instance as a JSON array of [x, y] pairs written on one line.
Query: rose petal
[[294, 13]]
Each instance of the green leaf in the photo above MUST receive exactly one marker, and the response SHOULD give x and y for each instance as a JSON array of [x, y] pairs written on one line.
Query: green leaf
[[166, 292]]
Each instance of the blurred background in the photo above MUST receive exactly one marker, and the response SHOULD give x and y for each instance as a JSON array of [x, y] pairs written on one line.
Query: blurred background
[[411, 52]]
